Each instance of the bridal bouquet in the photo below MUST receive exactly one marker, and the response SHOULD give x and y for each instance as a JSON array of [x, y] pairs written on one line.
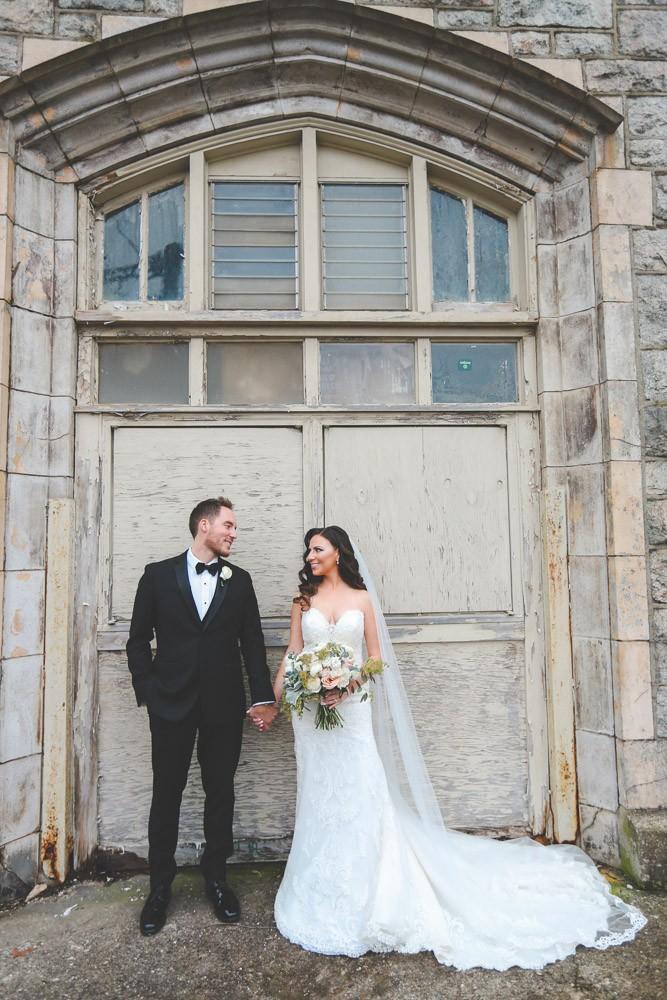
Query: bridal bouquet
[[325, 667]]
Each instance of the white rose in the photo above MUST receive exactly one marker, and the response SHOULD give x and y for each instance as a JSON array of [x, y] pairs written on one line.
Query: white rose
[[313, 685], [344, 678], [225, 573], [314, 669]]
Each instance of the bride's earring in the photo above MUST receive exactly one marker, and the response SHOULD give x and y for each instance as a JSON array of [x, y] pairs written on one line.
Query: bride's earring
[[337, 560]]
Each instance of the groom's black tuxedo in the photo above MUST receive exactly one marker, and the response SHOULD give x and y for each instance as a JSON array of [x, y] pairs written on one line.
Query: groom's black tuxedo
[[195, 659], [193, 687]]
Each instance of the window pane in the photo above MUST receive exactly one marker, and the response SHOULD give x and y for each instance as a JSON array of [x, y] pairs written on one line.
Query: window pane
[[367, 373], [252, 190], [357, 226], [259, 374], [254, 259], [389, 211], [364, 242], [450, 247], [492, 277], [339, 269], [165, 244], [361, 192], [364, 246], [474, 373], [349, 301], [253, 254], [122, 242], [143, 373]]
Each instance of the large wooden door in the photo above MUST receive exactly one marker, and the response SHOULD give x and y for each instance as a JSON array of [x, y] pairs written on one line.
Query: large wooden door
[[445, 512]]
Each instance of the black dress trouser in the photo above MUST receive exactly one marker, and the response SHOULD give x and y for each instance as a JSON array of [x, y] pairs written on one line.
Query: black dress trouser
[[218, 750]]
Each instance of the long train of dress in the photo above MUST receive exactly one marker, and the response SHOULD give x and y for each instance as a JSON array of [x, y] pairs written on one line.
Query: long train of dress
[[363, 877]]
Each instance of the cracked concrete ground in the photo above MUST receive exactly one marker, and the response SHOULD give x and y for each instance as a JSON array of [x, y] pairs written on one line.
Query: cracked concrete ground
[[83, 943]]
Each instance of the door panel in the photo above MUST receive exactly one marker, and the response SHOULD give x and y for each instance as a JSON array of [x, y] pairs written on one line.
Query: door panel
[[265, 779], [160, 473], [429, 508], [468, 703]]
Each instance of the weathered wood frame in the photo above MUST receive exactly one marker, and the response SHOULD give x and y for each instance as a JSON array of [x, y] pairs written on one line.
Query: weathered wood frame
[[57, 812], [560, 702]]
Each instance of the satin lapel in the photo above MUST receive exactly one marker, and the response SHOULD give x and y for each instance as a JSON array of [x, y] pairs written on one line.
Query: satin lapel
[[216, 603], [184, 586]]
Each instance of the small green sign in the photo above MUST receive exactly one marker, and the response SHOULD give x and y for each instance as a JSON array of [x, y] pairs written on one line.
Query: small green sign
[[465, 364]]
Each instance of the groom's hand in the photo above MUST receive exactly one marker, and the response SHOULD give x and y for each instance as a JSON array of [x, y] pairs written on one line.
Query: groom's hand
[[262, 715]]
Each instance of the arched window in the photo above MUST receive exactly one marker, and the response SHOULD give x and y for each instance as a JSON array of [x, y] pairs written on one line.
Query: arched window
[[314, 221]]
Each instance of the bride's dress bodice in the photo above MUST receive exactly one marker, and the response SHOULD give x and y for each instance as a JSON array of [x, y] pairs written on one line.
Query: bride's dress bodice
[[348, 628]]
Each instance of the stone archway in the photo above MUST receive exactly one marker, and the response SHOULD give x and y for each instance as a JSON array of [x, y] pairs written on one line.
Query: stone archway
[[74, 122], [137, 93]]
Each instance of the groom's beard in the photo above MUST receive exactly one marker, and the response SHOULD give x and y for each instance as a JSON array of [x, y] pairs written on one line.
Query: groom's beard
[[220, 549]]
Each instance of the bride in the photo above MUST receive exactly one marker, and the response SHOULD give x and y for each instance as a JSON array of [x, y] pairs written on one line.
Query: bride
[[372, 866]]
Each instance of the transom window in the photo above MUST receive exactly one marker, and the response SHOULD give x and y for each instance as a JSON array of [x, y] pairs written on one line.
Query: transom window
[[312, 224], [341, 373]]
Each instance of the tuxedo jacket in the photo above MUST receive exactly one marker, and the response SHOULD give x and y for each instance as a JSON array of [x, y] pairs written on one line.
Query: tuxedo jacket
[[196, 660]]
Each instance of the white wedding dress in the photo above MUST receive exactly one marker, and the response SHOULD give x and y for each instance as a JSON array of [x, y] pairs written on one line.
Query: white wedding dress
[[363, 875]]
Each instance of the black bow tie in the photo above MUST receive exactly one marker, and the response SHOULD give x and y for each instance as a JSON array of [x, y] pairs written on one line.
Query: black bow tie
[[211, 567]]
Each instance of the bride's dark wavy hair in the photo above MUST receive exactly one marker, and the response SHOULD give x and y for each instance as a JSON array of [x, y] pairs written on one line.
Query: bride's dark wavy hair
[[348, 567]]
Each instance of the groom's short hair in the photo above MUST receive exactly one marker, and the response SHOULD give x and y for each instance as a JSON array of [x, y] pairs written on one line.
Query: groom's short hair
[[209, 509]]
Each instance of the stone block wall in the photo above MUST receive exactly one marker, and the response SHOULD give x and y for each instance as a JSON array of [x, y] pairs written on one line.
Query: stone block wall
[[616, 51], [37, 215]]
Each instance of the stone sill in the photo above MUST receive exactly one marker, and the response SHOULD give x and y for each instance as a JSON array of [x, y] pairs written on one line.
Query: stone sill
[[240, 411], [227, 318]]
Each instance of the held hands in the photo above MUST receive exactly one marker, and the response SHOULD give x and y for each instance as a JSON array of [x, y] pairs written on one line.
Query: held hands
[[262, 716]]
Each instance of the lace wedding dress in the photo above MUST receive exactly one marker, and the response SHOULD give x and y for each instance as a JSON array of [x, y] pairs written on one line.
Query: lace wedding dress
[[364, 875]]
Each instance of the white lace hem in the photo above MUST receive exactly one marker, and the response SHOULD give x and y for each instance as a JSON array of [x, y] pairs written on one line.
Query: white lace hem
[[380, 943]]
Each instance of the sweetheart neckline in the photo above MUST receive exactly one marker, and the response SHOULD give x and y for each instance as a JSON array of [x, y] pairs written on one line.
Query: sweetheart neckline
[[328, 620]]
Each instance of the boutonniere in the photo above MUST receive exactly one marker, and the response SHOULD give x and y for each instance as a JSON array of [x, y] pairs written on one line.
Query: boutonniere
[[225, 574]]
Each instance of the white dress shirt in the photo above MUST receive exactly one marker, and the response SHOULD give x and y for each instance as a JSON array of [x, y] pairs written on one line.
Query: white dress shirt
[[203, 587]]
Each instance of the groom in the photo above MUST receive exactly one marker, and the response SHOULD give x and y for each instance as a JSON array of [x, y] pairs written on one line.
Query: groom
[[203, 612]]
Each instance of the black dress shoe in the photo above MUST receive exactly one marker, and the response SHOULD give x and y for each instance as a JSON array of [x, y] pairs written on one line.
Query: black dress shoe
[[154, 913], [225, 904]]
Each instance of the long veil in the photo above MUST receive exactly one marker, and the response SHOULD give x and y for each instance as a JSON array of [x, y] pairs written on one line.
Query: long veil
[[497, 889], [407, 776]]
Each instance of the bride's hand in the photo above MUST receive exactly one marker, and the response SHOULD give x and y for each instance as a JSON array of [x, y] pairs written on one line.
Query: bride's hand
[[333, 698]]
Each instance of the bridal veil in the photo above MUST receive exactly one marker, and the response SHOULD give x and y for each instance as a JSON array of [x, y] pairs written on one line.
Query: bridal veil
[[514, 902]]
